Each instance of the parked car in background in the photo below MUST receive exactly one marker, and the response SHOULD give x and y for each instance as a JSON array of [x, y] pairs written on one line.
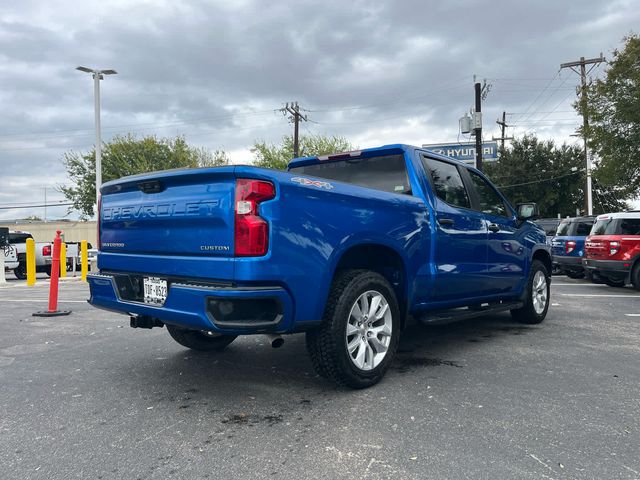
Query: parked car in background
[[18, 240], [567, 246], [612, 249], [549, 225]]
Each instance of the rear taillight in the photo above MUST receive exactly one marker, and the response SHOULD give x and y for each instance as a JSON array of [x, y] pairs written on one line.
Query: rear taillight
[[614, 247], [46, 250], [251, 230], [569, 246]]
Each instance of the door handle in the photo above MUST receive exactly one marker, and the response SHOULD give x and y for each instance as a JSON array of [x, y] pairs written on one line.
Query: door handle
[[494, 228], [445, 221]]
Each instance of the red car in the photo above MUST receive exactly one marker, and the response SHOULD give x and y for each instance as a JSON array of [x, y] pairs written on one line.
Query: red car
[[612, 250]]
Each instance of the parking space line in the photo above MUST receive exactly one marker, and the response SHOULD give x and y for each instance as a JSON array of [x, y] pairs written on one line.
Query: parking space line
[[36, 300], [597, 295], [578, 284], [632, 314]]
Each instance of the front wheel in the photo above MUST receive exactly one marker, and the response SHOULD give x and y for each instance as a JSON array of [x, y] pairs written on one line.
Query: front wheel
[[200, 340], [360, 330], [537, 294]]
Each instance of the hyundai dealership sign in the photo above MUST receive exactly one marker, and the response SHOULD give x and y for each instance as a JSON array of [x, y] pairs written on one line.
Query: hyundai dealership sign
[[465, 151]]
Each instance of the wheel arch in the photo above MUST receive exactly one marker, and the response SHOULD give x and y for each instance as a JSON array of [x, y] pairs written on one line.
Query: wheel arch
[[545, 257], [382, 259]]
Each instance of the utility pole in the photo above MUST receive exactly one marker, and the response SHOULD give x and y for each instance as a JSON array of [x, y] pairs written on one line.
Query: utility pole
[[503, 126], [582, 63], [296, 117], [478, 125]]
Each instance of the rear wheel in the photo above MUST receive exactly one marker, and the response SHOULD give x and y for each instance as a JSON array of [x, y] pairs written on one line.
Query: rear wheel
[[204, 341], [20, 271], [635, 276], [614, 282], [360, 330], [537, 295], [573, 274]]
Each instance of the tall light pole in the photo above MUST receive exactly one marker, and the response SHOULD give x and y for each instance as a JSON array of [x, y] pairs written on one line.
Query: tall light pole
[[97, 76]]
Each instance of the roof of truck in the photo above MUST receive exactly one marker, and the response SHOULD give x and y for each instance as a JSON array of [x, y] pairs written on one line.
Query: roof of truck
[[365, 152]]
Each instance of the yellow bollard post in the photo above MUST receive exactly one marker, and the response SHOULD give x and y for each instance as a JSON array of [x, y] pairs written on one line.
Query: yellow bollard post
[[31, 261], [84, 260], [63, 260]]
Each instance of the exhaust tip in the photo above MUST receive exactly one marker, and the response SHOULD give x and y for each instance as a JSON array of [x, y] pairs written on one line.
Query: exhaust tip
[[276, 340]]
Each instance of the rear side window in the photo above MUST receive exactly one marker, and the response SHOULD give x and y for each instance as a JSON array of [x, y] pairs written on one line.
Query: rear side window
[[563, 229], [490, 201], [387, 173], [630, 226], [19, 237], [583, 228], [447, 182], [603, 227]]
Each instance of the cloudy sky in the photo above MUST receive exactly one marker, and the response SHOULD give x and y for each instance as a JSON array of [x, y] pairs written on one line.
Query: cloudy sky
[[375, 72]]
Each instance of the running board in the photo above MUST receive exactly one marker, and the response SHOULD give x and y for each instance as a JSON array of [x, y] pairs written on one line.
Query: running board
[[438, 317]]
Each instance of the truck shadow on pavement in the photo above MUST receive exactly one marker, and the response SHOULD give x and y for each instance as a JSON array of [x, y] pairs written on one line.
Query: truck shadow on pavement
[[250, 363]]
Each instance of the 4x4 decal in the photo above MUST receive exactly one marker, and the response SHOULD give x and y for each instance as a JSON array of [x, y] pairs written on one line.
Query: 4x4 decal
[[312, 183]]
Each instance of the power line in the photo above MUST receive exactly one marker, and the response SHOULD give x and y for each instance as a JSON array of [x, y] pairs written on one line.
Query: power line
[[38, 206], [546, 87], [540, 181]]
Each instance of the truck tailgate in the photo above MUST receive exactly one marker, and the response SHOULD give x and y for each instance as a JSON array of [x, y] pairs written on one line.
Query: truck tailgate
[[181, 213]]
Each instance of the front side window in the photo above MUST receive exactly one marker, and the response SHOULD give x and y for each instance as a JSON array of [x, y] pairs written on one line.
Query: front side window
[[490, 201], [447, 182]]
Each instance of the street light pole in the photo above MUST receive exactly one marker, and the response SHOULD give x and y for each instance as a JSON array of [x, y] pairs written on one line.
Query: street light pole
[[96, 98], [97, 76]]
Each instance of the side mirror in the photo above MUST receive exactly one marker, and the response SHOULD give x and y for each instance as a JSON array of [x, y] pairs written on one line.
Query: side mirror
[[527, 211]]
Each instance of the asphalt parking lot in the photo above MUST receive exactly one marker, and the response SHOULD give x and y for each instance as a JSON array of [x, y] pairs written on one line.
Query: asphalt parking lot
[[85, 396]]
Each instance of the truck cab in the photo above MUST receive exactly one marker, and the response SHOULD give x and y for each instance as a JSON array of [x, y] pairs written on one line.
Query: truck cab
[[341, 247]]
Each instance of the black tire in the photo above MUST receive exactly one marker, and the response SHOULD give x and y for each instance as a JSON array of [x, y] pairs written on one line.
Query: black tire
[[20, 271], [635, 277], [614, 283], [575, 275], [528, 314], [197, 340], [327, 345], [47, 270]]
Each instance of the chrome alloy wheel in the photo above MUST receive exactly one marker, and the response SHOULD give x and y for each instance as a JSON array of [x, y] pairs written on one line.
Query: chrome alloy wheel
[[539, 292], [369, 330]]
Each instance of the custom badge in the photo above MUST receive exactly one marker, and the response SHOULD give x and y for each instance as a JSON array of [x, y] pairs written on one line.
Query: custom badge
[[312, 183]]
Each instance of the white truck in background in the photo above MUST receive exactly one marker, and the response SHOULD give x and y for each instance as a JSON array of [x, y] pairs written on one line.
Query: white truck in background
[[18, 242]]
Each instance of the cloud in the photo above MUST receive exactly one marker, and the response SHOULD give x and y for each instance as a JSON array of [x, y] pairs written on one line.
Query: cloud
[[215, 71]]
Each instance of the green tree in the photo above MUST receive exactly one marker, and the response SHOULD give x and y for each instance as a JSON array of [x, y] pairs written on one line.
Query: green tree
[[551, 176], [278, 156], [127, 155], [613, 108]]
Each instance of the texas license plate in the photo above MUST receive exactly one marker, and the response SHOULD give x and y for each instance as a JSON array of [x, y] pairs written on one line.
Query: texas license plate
[[155, 290]]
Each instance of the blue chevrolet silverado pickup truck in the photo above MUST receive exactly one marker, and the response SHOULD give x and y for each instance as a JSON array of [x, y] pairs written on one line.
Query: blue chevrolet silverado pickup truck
[[342, 247]]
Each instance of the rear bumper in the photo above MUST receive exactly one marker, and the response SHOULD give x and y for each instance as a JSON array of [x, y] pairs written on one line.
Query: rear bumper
[[201, 307], [566, 262], [607, 268]]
